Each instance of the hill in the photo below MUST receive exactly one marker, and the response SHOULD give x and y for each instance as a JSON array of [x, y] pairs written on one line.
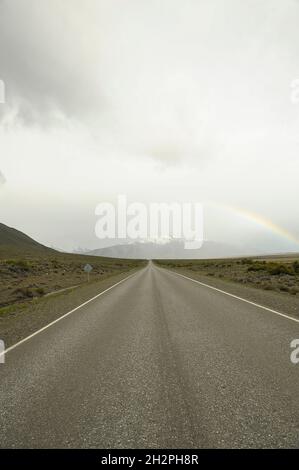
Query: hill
[[16, 243], [29, 269]]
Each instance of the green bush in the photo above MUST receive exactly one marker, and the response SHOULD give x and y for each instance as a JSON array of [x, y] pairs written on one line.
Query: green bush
[[40, 291], [256, 267], [274, 269], [20, 264], [25, 292], [294, 290], [296, 267], [246, 261], [277, 269]]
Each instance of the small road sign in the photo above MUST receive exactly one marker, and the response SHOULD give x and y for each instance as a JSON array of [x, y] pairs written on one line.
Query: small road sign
[[88, 269]]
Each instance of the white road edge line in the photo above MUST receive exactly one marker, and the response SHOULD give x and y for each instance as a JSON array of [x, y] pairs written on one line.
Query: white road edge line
[[63, 316], [237, 297]]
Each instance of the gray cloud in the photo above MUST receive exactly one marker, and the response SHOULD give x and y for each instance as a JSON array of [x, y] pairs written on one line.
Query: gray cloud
[[150, 76], [48, 57], [192, 97]]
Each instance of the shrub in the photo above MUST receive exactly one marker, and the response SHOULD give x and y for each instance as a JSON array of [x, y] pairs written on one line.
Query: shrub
[[25, 292], [256, 267], [296, 267], [40, 291], [274, 269], [267, 286], [277, 269], [20, 264], [246, 261], [294, 290]]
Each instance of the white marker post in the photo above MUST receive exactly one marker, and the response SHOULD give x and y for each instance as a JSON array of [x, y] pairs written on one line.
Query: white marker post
[[88, 270], [2, 350]]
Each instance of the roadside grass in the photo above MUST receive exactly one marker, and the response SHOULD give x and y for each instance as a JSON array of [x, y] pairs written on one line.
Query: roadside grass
[[268, 274], [38, 300], [11, 308], [30, 277], [20, 319]]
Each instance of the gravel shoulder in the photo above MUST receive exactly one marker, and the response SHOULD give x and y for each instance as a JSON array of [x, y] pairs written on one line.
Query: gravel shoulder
[[21, 320], [282, 302]]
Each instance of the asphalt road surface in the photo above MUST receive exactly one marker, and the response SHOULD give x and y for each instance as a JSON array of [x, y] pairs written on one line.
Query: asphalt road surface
[[157, 362]]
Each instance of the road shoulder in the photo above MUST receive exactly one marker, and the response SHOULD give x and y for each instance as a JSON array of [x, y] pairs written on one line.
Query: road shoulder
[[280, 302], [20, 321]]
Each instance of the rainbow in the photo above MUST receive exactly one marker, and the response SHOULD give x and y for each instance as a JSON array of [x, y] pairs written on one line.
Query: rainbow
[[259, 219]]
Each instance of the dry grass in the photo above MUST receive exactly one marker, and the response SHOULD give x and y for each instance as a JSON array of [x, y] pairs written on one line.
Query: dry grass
[[28, 277], [276, 274]]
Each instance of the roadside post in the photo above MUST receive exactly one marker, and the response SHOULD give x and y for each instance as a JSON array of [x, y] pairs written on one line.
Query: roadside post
[[2, 351], [88, 269]]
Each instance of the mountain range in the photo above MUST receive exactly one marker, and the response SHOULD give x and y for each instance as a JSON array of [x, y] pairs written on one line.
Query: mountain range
[[15, 243], [173, 249]]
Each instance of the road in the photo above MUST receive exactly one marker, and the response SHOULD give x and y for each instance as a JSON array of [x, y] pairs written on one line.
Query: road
[[156, 362]]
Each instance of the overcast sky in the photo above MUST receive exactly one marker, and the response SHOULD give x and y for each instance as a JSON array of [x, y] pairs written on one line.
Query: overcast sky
[[162, 100]]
